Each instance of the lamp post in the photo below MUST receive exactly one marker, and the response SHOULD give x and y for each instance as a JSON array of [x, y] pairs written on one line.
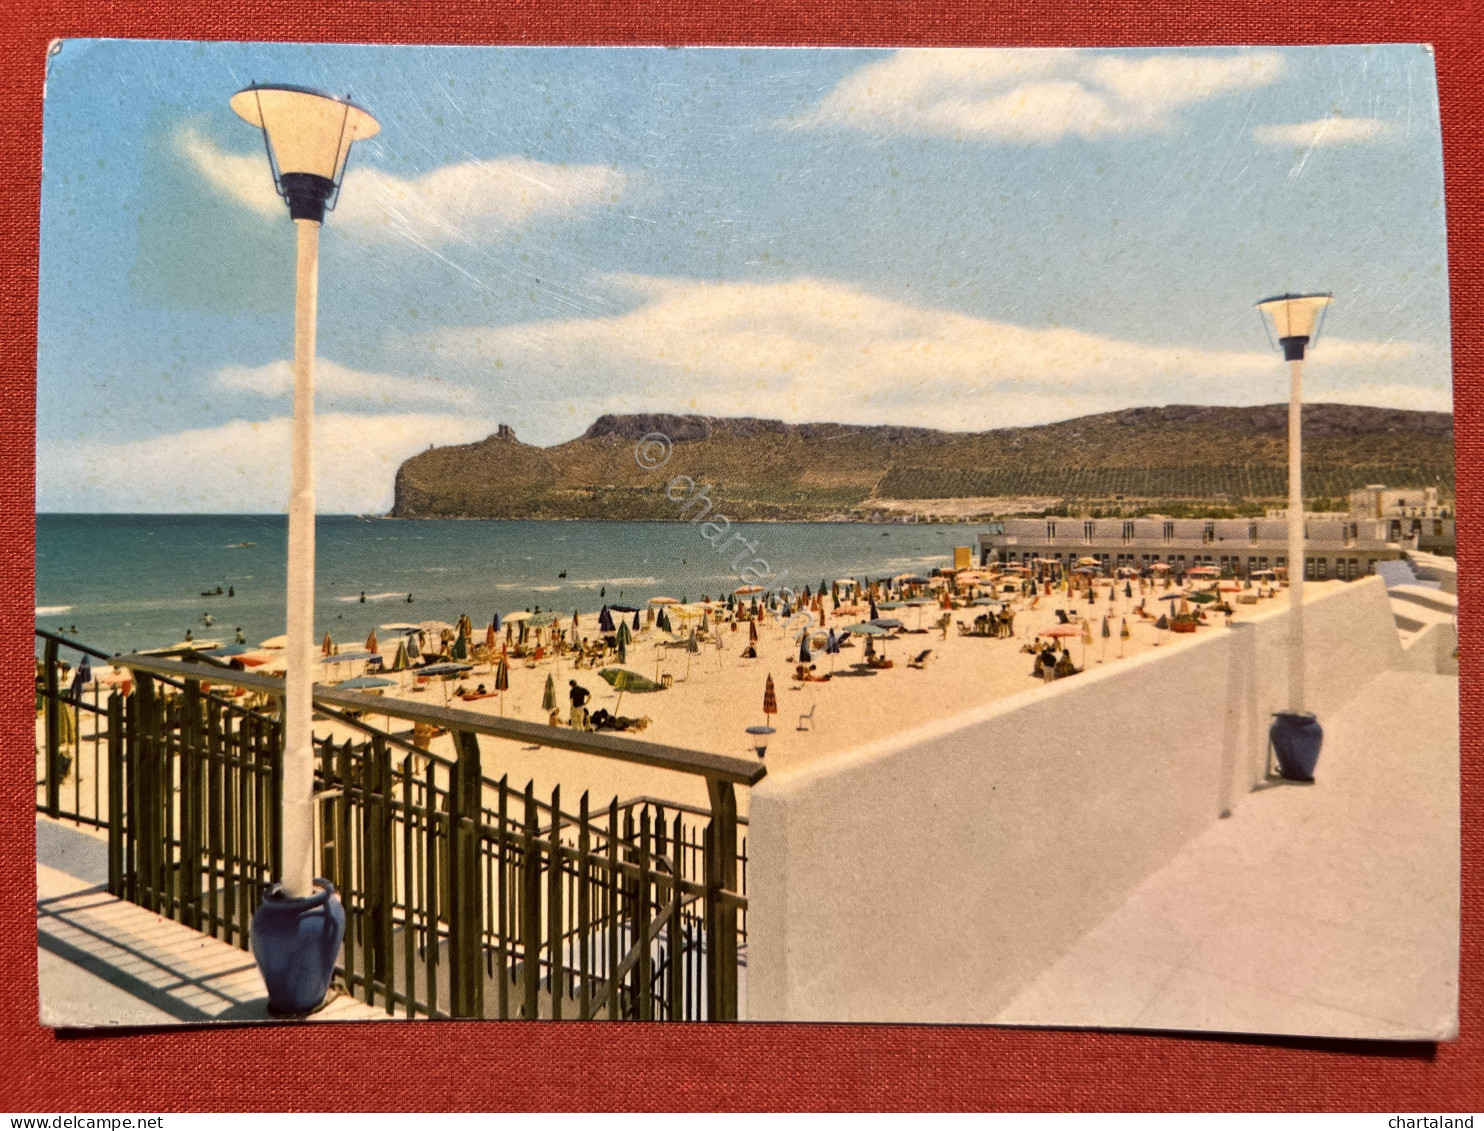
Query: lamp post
[[297, 930], [307, 136], [1294, 321]]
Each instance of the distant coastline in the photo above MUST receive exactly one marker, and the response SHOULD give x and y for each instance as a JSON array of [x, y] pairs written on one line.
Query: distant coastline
[[1173, 459]]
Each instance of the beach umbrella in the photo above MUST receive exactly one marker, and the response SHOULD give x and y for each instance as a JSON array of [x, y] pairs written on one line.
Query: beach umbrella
[[460, 648], [1086, 640], [752, 632], [804, 656], [1163, 625], [770, 700], [327, 646], [636, 620], [489, 634], [365, 682], [548, 695], [706, 621], [372, 645], [1123, 635], [502, 681], [82, 677], [874, 611], [692, 646], [413, 651], [625, 636], [401, 662], [623, 652], [1107, 635]]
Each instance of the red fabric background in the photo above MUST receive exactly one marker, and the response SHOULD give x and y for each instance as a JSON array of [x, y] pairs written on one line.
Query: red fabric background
[[488, 1065]]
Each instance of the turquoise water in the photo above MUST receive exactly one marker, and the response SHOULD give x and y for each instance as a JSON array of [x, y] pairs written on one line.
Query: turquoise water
[[135, 581]]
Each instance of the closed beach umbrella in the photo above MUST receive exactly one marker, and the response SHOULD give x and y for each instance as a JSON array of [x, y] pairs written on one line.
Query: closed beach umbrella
[[83, 677], [623, 651], [489, 634], [770, 700], [874, 611], [1163, 625], [636, 620], [400, 662], [1107, 635], [548, 697], [692, 646], [1123, 635], [413, 651], [624, 635], [372, 645], [1128, 590], [752, 632], [804, 656], [460, 648], [502, 681], [327, 646]]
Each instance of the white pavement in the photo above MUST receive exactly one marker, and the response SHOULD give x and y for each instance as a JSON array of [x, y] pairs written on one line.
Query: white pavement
[[103, 961], [1324, 910]]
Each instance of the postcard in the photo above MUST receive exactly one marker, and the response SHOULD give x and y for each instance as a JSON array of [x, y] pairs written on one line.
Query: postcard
[[709, 535]]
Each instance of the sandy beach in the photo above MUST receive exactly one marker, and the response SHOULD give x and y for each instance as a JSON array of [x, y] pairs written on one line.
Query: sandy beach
[[718, 694]]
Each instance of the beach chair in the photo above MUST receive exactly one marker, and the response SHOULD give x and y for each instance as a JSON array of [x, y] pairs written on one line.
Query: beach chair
[[807, 717], [921, 660]]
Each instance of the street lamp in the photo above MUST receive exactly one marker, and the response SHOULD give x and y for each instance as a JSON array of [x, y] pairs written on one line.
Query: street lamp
[[308, 136], [1294, 321]]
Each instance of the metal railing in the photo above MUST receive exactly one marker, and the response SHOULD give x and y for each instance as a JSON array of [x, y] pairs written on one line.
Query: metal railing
[[464, 896]]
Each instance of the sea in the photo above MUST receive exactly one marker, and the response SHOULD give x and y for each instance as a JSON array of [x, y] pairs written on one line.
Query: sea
[[124, 582]]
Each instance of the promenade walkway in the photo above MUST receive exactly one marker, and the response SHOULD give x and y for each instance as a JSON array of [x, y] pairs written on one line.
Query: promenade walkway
[[103, 961], [1297, 915]]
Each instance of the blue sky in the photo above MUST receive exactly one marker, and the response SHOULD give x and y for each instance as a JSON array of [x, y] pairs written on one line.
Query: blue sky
[[955, 239]]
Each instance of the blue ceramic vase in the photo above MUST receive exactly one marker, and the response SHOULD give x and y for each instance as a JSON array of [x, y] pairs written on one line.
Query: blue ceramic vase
[[296, 942], [1296, 738]]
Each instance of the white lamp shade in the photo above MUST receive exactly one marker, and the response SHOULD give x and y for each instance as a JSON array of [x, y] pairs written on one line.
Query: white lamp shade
[[1294, 316], [307, 132]]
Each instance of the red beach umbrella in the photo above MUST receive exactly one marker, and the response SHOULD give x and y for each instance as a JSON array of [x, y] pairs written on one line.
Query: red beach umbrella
[[371, 644], [770, 699]]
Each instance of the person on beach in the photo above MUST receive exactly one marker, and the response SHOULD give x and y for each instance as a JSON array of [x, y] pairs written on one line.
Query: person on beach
[[1064, 666], [579, 696]]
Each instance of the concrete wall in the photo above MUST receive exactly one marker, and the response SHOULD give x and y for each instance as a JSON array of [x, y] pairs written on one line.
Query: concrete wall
[[929, 876], [1432, 650]]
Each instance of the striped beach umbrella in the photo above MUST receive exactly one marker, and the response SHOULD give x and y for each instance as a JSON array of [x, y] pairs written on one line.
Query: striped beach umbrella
[[548, 696], [770, 700]]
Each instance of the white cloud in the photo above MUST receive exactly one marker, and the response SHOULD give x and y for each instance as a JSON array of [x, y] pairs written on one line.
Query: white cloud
[[1029, 95], [338, 387], [243, 466], [816, 350], [468, 201], [1335, 130]]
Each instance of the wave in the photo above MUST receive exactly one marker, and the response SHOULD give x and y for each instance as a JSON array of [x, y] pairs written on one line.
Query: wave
[[53, 610], [374, 597], [616, 581]]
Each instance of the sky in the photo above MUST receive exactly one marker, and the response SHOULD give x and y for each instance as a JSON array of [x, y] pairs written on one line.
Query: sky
[[958, 239]]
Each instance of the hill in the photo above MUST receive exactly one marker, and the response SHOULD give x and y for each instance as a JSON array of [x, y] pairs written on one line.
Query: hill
[[766, 469]]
